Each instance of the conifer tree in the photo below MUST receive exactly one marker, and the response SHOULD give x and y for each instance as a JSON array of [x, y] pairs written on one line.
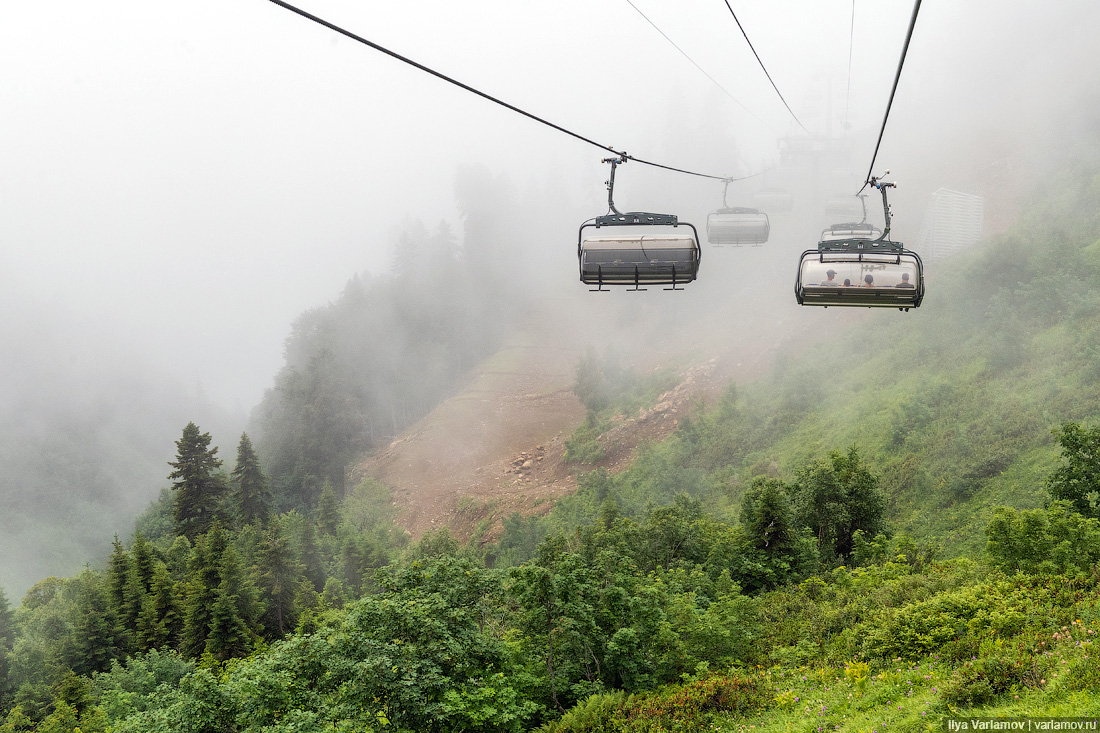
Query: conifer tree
[[159, 623], [252, 499], [328, 509], [118, 573], [93, 634], [281, 579], [314, 568], [201, 592], [118, 567], [230, 634], [199, 490]]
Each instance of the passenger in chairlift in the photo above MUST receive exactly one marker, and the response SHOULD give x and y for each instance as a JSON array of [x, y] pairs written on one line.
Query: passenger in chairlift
[[868, 281], [847, 282], [904, 281], [829, 282]]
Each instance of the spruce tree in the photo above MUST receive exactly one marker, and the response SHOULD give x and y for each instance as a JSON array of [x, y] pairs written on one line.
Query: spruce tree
[[229, 633], [160, 623], [118, 573], [93, 634], [311, 558], [252, 499], [328, 509], [203, 580], [198, 489], [281, 580]]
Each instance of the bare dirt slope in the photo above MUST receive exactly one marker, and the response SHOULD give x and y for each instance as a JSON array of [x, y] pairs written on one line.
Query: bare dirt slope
[[496, 447]]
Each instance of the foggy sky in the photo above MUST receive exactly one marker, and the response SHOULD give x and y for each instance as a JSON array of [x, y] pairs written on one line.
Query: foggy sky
[[202, 172]]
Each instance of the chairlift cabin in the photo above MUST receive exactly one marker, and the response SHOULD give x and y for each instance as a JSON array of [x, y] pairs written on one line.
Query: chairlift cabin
[[637, 248], [737, 225], [852, 268]]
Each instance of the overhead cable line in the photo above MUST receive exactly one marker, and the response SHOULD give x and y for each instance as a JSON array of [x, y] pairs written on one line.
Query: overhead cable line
[[754, 53], [897, 76], [623, 154], [697, 66], [851, 43]]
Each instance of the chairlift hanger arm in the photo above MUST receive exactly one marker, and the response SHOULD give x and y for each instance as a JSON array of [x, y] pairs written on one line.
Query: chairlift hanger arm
[[882, 186], [610, 182]]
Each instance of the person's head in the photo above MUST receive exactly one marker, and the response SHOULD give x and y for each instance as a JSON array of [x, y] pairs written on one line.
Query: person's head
[[868, 279], [830, 273], [905, 277], [847, 282]]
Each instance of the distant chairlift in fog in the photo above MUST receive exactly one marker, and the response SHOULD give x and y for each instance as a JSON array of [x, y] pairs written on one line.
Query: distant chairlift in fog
[[879, 273], [636, 248], [737, 225]]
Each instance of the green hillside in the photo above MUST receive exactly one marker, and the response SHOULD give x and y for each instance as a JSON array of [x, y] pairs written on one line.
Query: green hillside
[[952, 406], [826, 548]]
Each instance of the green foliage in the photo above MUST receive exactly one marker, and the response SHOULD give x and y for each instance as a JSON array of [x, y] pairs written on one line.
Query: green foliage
[[583, 446], [683, 708], [1054, 540], [129, 687], [199, 491], [1077, 480], [1000, 668], [837, 497], [251, 499]]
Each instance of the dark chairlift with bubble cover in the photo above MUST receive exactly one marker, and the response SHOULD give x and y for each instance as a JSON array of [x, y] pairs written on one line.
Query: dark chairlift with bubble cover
[[737, 225], [636, 248], [851, 267]]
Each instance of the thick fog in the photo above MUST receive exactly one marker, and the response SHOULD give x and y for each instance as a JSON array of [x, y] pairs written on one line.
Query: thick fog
[[180, 181]]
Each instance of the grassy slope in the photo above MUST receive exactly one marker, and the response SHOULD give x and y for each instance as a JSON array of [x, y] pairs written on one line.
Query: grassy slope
[[953, 404]]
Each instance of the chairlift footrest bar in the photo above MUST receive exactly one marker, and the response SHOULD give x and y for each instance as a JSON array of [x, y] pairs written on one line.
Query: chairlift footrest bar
[[861, 245], [637, 218]]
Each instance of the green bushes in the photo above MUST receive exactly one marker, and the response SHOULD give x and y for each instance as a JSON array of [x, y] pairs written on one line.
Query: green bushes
[[1051, 540], [683, 708]]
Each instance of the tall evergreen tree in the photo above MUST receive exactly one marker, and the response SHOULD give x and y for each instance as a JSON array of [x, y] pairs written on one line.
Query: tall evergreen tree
[[199, 491], [281, 579], [160, 623], [118, 574], [251, 497], [93, 635], [203, 580], [230, 633], [311, 558], [328, 509]]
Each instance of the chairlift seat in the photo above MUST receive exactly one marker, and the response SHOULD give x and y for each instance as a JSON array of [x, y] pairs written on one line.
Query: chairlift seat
[[738, 226], [631, 258], [855, 231]]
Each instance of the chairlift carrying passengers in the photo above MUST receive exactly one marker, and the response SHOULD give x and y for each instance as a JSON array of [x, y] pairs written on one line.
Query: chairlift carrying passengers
[[852, 267], [636, 248], [737, 225]]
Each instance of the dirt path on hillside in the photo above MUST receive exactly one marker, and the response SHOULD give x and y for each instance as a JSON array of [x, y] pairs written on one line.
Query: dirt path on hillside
[[496, 447]]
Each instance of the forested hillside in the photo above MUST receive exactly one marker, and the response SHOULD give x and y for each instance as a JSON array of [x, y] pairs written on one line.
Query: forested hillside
[[381, 355], [897, 525]]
